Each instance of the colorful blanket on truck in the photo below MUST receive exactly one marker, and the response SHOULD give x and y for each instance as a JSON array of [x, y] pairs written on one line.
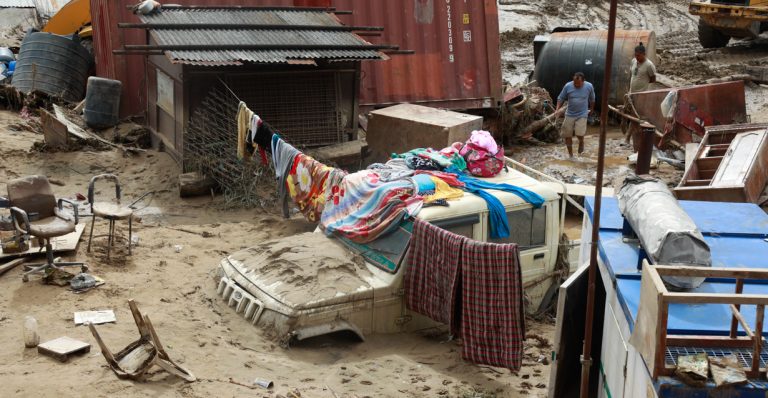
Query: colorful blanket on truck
[[307, 182], [362, 207], [448, 273]]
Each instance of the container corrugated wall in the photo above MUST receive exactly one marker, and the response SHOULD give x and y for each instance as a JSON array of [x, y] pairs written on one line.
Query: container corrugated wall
[[457, 62]]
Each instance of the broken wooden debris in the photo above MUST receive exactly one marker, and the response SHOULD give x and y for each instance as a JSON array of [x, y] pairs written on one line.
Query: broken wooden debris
[[55, 132], [693, 369], [137, 358], [63, 347], [75, 130], [195, 184], [727, 371]]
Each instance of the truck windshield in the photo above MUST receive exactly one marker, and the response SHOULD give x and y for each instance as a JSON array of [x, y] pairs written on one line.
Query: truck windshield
[[387, 251]]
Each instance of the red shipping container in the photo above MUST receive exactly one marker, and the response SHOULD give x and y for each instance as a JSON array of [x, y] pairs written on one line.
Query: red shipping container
[[456, 65]]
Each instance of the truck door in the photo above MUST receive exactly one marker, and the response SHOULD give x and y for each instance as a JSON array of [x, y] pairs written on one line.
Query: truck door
[[528, 228]]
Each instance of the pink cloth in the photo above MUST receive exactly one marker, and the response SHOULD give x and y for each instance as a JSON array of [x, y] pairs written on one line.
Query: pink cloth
[[484, 140]]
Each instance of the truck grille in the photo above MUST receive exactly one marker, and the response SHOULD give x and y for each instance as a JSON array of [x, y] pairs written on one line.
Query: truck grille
[[243, 302]]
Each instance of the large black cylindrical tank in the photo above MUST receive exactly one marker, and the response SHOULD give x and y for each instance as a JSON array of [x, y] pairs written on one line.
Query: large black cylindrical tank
[[102, 102], [584, 51], [56, 65]]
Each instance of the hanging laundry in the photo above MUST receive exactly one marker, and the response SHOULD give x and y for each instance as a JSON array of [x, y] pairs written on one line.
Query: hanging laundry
[[363, 207], [283, 155], [492, 307], [443, 191], [432, 275], [243, 120], [306, 184], [474, 288]]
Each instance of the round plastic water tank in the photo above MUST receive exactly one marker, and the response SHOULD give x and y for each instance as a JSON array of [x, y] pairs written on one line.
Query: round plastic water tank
[[102, 102], [584, 51], [55, 65]]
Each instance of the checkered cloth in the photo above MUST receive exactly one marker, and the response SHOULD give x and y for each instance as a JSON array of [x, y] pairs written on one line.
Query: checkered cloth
[[432, 273], [492, 318], [492, 310]]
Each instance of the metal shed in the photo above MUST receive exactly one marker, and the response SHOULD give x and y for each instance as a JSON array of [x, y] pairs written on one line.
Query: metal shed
[[297, 68]]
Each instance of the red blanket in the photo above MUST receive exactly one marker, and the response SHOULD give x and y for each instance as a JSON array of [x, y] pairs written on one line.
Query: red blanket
[[492, 319], [430, 279], [492, 309]]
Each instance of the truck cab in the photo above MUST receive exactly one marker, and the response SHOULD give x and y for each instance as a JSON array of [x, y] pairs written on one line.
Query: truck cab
[[314, 284]]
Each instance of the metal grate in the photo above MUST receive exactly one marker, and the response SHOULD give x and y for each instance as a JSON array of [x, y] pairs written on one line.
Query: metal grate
[[743, 354], [304, 107]]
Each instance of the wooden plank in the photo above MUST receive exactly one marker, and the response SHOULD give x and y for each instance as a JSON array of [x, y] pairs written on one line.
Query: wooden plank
[[708, 298], [713, 272], [63, 347], [740, 318], [54, 131], [758, 339], [647, 327], [709, 342], [65, 243], [739, 290], [691, 149], [653, 274]]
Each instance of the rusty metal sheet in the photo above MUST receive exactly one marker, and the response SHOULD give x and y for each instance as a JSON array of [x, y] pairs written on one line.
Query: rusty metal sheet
[[457, 61], [697, 107], [131, 69]]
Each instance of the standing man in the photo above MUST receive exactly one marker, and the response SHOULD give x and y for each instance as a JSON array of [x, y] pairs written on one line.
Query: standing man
[[580, 96], [643, 71]]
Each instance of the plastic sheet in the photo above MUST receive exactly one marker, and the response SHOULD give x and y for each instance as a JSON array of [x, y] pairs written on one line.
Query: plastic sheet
[[666, 232]]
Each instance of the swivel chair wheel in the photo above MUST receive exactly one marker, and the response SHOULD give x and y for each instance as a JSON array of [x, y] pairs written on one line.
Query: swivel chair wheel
[[84, 268], [25, 278]]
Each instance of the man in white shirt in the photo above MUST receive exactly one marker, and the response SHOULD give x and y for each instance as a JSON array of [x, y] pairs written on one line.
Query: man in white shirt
[[643, 71]]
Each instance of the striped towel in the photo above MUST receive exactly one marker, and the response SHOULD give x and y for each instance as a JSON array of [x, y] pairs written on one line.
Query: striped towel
[[492, 309]]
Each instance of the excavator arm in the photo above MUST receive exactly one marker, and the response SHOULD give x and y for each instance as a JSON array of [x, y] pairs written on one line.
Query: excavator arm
[[75, 17]]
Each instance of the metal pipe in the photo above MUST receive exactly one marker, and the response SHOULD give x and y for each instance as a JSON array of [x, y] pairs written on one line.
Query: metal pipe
[[246, 46], [336, 28], [645, 152], [586, 357]]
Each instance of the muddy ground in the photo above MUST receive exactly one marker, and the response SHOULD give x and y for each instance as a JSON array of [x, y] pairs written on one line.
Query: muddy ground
[[177, 290], [682, 62]]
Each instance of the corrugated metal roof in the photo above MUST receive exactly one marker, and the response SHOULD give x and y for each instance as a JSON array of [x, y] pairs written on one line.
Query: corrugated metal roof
[[17, 3], [252, 36]]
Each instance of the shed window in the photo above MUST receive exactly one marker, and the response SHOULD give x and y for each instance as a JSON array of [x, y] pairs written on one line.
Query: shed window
[[527, 228]]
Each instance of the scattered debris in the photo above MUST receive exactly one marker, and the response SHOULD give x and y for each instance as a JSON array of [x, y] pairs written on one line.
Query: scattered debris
[[31, 337], [95, 317], [266, 384], [83, 281], [727, 371], [693, 369], [11, 265], [195, 184], [137, 358], [63, 347]]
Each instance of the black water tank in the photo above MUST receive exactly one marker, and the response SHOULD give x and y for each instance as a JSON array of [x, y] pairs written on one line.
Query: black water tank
[[102, 102], [56, 65], [584, 51]]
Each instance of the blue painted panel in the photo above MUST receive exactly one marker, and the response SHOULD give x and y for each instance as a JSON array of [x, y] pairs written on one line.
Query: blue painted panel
[[704, 319], [668, 387], [711, 217]]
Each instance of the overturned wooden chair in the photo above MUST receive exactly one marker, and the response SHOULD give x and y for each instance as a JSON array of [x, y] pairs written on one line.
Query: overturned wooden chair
[[137, 358]]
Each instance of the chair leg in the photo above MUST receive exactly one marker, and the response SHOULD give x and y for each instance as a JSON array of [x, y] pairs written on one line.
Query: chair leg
[[93, 221], [110, 237], [130, 233]]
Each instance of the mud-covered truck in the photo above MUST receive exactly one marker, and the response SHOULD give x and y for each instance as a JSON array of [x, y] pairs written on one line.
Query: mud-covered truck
[[312, 284], [720, 20]]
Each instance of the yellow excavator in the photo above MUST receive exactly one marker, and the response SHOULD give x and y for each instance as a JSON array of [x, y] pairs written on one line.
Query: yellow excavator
[[75, 17], [720, 20]]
